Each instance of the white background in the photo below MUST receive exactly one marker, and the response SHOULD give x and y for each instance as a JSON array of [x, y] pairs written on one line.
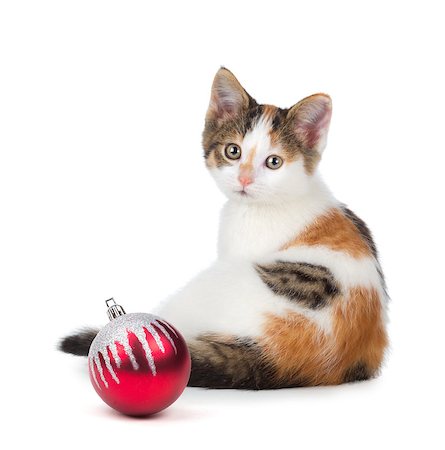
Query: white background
[[104, 193]]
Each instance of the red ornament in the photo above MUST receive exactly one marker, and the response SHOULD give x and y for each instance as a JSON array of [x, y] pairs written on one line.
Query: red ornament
[[139, 364]]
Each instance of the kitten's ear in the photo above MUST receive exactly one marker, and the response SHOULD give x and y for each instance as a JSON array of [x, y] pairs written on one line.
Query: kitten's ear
[[228, 97], [310, 120]]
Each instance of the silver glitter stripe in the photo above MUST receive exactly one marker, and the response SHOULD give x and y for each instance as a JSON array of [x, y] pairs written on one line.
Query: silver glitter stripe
[[156, 337], [100, 370], [93, 373], [142, 337], [167, 335], [169, 327], [109, 366], [114, 352], [129, 352]]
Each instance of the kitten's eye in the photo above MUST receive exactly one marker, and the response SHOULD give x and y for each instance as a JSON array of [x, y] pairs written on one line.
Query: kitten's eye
[[274, 162], [232, 151]]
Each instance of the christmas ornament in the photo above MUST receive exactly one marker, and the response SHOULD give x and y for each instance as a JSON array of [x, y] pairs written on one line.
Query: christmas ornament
[[139, 364]]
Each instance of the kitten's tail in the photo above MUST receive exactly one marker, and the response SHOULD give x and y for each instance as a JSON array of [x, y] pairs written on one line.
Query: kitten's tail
[[78, 343]]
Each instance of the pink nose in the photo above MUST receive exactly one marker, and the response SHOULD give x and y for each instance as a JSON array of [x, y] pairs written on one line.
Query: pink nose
[[245, 181]]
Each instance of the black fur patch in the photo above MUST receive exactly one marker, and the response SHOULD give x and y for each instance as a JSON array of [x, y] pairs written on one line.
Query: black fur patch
[[367, 236], [308, 284], [279, 118], [362, 228], [221, 363], [79, 343], [358, 372], [252, 116]]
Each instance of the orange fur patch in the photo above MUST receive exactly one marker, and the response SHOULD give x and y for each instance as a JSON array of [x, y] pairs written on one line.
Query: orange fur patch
[[304, 355], [295, 346], [247, 166], [359, 330], [269, 111], [335, 231]]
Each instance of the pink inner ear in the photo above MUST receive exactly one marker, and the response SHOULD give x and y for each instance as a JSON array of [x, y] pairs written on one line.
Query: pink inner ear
[[226, 102], [313, 118]]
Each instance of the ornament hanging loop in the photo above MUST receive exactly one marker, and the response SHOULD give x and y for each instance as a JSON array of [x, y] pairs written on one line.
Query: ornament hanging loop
[[114, 310]]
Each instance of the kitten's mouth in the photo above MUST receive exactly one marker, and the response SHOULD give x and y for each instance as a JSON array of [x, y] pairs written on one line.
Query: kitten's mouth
[[243, 193]]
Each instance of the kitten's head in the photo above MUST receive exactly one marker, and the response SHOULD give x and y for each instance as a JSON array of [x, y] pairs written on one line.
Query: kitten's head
[[262, 153]]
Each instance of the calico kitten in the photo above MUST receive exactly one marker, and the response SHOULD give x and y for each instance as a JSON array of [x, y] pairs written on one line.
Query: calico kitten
[[296, 296]]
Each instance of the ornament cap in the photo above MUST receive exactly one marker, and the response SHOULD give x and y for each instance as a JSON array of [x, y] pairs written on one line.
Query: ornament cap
[[114, 310]]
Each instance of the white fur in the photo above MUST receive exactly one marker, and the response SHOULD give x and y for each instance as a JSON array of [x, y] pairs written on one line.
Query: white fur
[[229, 297], [251, 230]]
